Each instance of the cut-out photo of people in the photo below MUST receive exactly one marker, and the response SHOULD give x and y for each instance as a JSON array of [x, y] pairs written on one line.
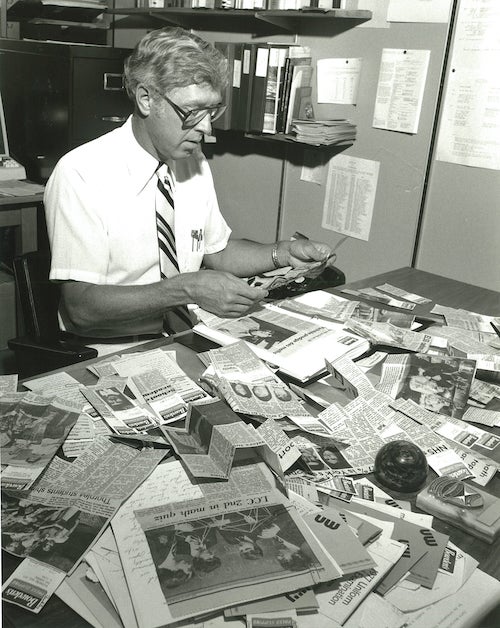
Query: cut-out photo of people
[[226, 550], [282, 393], [241, 389], [262, 392], [33, 438], [262, 333], [333, 458], [324, 458], [115, 399], [55, 536], [438, 383], [312, 460]]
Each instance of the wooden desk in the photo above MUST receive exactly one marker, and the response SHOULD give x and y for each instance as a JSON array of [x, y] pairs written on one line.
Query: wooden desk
[[21, 211], [440, 290]]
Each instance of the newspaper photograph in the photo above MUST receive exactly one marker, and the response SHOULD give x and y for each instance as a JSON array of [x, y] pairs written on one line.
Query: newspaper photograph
[[230, 547], [391, 335], [296, 346], [376, 295], [358, 426], [327, 456], [122, 414], [268, 398], [249, 386], [319, 305], [440, 384], [247, 487], [54, 536], [31, 430], [365, 312], [56, 522]]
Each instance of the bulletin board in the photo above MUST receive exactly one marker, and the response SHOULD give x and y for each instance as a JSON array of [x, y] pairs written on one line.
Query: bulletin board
[[403, 157]]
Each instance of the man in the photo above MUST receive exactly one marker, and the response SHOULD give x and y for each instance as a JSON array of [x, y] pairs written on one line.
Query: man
[[102, 198]]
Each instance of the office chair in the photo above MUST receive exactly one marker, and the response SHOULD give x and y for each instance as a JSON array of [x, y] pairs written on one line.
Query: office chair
[[43, 347]]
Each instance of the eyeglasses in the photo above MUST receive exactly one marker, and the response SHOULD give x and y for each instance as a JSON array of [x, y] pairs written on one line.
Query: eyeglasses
[[192, 117]]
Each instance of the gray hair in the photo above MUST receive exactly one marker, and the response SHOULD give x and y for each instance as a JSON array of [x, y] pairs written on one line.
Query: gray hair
[[169, 58]]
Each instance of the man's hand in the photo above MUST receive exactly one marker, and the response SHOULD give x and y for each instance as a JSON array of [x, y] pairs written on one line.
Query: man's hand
[[299, 253], [222, 293]]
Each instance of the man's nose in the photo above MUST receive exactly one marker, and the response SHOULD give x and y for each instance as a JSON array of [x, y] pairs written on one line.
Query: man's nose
[[205, 124]]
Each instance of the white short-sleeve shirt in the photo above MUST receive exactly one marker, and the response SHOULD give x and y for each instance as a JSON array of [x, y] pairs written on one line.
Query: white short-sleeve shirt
[[100, 212]]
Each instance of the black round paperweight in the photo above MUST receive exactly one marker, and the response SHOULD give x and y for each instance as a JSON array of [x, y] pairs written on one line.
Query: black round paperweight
[[401, 466]]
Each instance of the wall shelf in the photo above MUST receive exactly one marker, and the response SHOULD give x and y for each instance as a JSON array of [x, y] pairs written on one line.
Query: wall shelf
[[286, 20], [289, 140]]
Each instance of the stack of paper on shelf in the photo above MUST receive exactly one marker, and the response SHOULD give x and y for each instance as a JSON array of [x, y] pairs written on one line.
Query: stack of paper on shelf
[[323, 132]]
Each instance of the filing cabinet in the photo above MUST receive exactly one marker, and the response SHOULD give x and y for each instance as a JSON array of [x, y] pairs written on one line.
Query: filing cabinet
[[57, 96]]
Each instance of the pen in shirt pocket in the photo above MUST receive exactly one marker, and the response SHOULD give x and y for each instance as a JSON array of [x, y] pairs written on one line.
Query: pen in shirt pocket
[[196, 239]]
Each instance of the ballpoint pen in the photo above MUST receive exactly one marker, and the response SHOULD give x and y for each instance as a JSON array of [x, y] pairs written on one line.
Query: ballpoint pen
[[496, 328]]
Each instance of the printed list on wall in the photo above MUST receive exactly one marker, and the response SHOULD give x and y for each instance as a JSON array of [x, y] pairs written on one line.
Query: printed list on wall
[[400, 89], [350, 196], [470, 122]]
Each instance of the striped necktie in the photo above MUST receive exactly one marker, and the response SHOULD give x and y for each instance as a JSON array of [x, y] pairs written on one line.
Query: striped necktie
[[177, 319]]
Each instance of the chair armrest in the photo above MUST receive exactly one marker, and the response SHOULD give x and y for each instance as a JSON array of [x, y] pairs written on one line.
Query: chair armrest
[[39, 355]]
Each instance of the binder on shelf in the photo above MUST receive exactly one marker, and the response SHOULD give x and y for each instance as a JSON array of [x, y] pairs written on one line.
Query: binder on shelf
[[246, 85], [235, 77], [277, 58], [227, 48], [258, 90]]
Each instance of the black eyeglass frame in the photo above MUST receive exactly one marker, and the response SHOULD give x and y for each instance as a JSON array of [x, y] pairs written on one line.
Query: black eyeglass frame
[[214, 112]]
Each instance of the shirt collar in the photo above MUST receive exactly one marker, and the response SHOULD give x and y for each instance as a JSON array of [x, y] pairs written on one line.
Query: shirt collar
[[141, 165]]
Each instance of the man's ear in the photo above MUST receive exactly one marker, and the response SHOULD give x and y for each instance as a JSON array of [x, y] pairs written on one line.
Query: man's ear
[[143, 99]]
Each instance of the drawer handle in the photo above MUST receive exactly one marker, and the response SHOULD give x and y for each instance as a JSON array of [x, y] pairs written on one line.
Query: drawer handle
[[113, 118]]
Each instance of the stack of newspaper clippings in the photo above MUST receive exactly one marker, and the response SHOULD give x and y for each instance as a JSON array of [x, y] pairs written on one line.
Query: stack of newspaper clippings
[[242, 497]]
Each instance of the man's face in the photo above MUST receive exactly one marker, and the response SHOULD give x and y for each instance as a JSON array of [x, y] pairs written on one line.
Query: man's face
[[165, 128], [330, 457]]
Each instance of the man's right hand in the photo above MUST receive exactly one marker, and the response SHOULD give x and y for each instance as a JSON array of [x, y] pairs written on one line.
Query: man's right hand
[[222, 293]]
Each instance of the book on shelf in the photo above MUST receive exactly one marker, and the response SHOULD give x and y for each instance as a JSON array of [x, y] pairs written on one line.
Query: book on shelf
[[301, 76], [297, 55]]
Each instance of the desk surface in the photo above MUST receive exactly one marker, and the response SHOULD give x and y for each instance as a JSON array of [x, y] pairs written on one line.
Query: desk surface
[[440, 290], [8, 202]]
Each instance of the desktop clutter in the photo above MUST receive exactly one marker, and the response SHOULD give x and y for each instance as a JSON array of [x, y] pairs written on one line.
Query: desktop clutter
[[302, 478]]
